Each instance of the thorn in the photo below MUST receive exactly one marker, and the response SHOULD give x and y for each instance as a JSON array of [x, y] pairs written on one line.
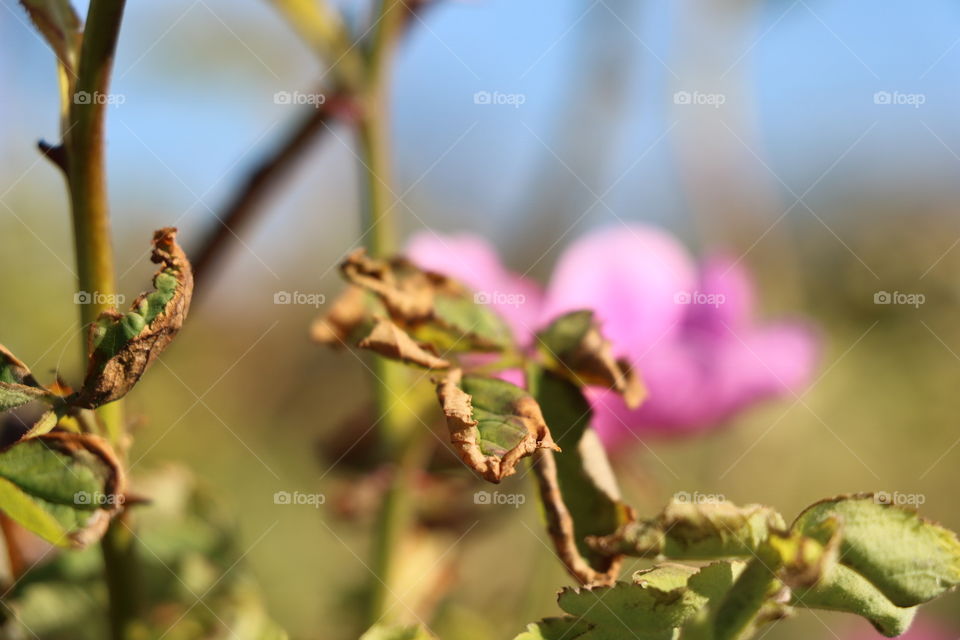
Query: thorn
[[56, 153]]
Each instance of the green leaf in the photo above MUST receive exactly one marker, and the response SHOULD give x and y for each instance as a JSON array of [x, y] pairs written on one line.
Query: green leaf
[[493, 424], [653, 607], [689, 530], [59, 25], [395, 632], [17, 385], [908, 559], [62, 486], [578, 488], [124, 345], [573, 346], [843, 589], [460, 324]]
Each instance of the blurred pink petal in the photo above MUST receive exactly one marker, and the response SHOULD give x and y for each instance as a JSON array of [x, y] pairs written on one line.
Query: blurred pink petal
[[630, 277], [690, 331], [473, 261]]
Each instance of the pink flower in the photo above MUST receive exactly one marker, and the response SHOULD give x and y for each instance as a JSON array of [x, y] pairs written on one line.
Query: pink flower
[[689, 330]]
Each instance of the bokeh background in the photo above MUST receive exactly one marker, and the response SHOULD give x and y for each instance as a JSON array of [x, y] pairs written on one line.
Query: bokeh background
[[820, 143]]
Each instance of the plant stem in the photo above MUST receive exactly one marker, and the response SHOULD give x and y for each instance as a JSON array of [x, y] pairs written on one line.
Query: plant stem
[[87, 182], [390, 380]]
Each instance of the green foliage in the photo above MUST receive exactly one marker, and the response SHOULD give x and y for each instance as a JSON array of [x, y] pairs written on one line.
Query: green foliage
[[191, 562], [908, 559], [854, 554], [62, 486]]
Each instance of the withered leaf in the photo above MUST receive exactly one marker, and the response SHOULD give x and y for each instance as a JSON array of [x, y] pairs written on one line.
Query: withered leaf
[[392, 342], [573, 346], [348, 314], [122, 346], [431, 307], [693, 529], [493, 423], [59, 25], [578, 489], [17, 384], [406, 291]]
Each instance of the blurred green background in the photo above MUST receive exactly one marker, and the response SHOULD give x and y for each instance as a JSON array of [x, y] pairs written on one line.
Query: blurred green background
[[829, 190]]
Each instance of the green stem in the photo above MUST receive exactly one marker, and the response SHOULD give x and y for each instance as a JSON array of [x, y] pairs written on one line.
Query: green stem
[[87, 182], [390, 380]]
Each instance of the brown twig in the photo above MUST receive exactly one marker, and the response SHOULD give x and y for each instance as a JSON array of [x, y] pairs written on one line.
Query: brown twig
[[263, 181], [270, 172]]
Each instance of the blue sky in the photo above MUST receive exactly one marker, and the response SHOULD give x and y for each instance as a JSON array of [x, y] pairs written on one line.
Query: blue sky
[[198, 80]]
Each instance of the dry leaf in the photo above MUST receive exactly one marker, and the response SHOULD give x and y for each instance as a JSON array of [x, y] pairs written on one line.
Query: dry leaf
[[493, 424], [575, 347], [391, 341], [406, 291], [347, 314], [122, 346]]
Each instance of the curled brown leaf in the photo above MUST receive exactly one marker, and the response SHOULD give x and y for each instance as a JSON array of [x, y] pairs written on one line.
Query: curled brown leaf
[[496, 427], [347, 314], [392, 342], [122, 346], [560, 527], [407, 292], [575, 348]]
